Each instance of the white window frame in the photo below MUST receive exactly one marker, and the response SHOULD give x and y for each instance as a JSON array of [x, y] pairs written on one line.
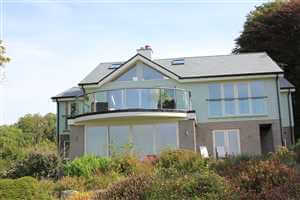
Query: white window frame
[[225, 132], [236, 101]]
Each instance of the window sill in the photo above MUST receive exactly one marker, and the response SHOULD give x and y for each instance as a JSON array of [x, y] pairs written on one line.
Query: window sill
[[239, 116]]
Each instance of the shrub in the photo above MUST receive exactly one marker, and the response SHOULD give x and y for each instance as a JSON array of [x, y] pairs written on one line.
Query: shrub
[[102, 181], [70, 183], [180, 161], [285, 156], [23, 188], [86, 166], [36, 164], [204, 185], [132, 188], [125, 164], [229, 165], [296, 149], [81, 196], [258, 179]]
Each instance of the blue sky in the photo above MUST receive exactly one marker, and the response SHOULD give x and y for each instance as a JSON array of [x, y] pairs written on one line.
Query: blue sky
[[55, 44]]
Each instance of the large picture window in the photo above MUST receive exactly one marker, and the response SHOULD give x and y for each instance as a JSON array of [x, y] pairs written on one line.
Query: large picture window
[[228, 140], [242, 98], [146, 139], [141, 72], [130, 75], [151, 74]]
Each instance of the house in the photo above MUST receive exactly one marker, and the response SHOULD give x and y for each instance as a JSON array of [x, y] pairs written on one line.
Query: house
[[238, 103]]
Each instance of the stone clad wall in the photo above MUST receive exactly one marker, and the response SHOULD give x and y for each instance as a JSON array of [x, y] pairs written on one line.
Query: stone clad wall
[[249, 134]]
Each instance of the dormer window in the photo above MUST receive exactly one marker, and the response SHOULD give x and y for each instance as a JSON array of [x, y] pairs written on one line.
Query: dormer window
[[178, 62], [114, 66]]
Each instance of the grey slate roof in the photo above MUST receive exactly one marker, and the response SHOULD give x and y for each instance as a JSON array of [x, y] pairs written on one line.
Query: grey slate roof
[[203, 66], [285, 84], [72, 92]]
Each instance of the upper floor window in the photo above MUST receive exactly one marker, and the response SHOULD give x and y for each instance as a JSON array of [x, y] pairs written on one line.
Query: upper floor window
[[151, 74], [130, 75], [141, 72], [243, 98]]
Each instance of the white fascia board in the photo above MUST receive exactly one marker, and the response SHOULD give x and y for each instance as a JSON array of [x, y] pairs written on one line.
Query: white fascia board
[[287, 90], [66, 99], [228, 78], [129, 114]]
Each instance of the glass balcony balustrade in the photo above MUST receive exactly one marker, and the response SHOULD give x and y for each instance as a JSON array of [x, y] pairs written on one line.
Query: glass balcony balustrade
[[133, 99]]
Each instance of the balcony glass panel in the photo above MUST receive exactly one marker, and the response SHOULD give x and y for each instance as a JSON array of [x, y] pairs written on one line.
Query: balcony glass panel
[[182, 100], [115, 100], [150, 98], [134, 98], [168, 98]]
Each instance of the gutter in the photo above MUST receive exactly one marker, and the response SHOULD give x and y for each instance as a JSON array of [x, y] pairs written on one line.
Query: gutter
[[57, 128], [290, 119], [279, 110]]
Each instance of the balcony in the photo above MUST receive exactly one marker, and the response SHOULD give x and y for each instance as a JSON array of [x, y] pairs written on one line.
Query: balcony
[[132, 102]]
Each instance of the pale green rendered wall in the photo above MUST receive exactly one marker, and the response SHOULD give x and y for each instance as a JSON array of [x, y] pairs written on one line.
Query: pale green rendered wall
[[199, 92], [61, 106]]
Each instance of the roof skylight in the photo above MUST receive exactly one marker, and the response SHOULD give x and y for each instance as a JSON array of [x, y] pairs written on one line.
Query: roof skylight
[[114, 66], [178, 62]]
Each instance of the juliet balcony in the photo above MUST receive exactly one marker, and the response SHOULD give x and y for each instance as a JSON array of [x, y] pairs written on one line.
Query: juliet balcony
[[132, 103]]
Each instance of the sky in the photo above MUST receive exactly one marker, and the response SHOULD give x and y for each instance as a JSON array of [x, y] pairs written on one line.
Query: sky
[[55, 44]]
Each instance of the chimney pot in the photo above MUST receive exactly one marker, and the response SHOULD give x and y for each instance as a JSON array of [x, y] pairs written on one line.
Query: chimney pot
[[145, 51]]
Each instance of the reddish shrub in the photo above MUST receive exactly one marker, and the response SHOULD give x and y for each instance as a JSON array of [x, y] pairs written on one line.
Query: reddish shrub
[[265, 179]]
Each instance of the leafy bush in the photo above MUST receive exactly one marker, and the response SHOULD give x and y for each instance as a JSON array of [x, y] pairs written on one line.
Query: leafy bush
[[132, 188], [70, 183], [102, 181], [81, 196], [23, 188], [229, 165], [36, 164], [180, 161], [204, 185], [87, 166], [125, 164], [285, 156], [296, 149], [257, 179]]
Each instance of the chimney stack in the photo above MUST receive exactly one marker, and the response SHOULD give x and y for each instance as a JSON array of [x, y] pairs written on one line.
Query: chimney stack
[[145, 51]]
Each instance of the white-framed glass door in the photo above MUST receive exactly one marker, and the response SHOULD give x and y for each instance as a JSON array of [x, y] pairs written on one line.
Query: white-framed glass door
[[228, 139]]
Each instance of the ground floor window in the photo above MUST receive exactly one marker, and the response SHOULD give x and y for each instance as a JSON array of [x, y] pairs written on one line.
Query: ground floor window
[[226, 142], [96, 140], [145, 139]]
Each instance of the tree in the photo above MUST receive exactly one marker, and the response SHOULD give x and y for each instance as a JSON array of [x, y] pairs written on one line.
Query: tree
[[41, 127], [3, 59], [274, 28]]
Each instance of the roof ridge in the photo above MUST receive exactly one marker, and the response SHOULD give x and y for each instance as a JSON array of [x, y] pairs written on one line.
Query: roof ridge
[[240, 54]]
